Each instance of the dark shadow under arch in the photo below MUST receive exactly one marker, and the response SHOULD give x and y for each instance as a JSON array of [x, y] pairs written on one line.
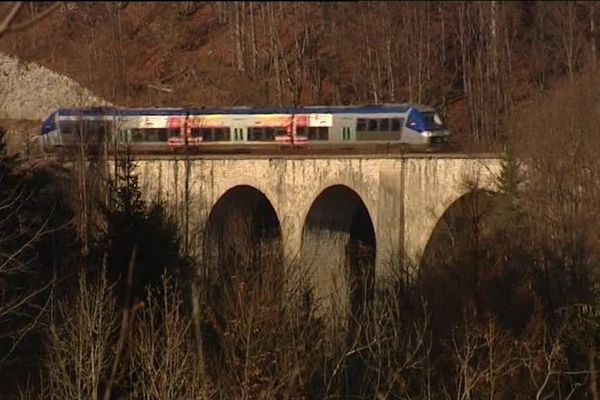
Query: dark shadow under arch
[[338, 231], [459, 227], [463, 272], [242, 227], [241, 270], [338, 220]]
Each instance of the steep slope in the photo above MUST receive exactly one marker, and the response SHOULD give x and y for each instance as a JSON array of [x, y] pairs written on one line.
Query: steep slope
[[31, 92], [475, 61]]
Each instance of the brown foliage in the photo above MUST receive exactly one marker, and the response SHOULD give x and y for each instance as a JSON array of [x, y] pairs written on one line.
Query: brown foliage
[[475, 60], [160, 361]]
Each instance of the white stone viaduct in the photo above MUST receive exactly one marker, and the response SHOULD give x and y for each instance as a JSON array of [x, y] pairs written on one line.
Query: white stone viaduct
[[405, 195]]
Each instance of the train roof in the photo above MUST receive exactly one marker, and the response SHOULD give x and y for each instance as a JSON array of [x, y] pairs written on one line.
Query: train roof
[[367, 109]]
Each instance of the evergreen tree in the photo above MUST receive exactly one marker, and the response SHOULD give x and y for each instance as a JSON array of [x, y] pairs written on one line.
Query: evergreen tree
[[131, 223], [508, 208]]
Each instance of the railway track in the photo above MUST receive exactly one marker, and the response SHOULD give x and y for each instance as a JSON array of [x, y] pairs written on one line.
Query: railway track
[[270, 149], [261, 151]]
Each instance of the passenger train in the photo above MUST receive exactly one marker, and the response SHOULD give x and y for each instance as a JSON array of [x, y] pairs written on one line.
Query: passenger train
[[314, 126]]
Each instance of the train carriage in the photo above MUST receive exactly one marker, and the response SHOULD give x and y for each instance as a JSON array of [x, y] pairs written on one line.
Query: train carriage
[[312, 126]]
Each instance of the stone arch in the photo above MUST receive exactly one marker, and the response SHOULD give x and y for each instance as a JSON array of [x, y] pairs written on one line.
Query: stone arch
[[242, 222], [241, 268], [460, 271], [339, 246], [294, 223], [335, 183], [458, 220], [220, 187], [422, 219]]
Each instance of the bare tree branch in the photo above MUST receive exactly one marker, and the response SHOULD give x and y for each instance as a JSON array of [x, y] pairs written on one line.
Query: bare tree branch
[[7, 26], [10, 17]]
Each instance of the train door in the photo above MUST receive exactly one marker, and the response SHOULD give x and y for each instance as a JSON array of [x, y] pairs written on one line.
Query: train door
[[348, 133], [239, 134]]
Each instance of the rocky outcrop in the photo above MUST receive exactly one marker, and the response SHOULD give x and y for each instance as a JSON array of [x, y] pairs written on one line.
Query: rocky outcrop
[[30, 91]]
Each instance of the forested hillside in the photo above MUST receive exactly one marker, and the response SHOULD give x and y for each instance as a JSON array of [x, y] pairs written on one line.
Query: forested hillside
[[103, 296], [475, 60]]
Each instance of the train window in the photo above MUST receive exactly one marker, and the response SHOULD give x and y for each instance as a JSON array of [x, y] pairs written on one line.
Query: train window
[[153, 134], [265, 134], [137, 135], [221, 134], [99, 128], [384, 124], [255, 134], [433, 122], [302, 131], [215, 134], [69, 127], [258, 135], [93, 131], [165, 134], [361, 124], [372, 124], [90, 130], [324, 132], [397, 124], [318, 133], [156, 135], [198, 132]]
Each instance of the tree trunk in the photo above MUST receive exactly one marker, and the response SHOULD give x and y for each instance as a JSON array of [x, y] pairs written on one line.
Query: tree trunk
[[274, 50], [238, 36], [593, 33], [253, 39], [494, 38]]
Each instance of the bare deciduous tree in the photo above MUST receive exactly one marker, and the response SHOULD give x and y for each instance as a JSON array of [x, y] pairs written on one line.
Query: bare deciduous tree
[[163, 349], [7, 24], [81, 340]]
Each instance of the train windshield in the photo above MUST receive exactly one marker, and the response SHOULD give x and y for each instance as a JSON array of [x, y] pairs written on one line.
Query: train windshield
[[49, 124], [433, 122]]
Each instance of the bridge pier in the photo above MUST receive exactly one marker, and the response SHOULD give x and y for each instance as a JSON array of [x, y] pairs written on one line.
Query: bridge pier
[[390, 230]]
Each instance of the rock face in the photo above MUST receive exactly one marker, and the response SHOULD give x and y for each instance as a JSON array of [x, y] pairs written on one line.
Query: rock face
[[30, 91]]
